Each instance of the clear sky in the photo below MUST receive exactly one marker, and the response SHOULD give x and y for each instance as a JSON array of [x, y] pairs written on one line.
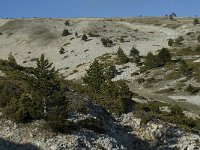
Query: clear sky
[[97, 8]]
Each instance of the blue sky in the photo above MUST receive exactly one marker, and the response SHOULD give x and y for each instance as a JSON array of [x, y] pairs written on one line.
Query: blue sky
[[97, 8]]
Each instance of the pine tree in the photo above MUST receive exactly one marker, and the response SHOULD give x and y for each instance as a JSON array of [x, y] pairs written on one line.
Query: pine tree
[[94, 77], [134, 52], [106, 42], [76, 34], [184, 69], [45, 82], [65, 32], [122, 59], [163, 57], [67, 23], [170, 42], [12, 60], [115, 94], [150, 61], [179, 40], [48, 95], [84, 37], [196, 21]]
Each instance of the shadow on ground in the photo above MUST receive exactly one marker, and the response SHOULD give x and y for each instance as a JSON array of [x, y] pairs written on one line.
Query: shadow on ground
[[8, 145]]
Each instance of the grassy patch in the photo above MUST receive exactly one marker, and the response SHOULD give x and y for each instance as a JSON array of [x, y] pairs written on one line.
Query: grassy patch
[[172, 76], [185, 52], [166, 91]]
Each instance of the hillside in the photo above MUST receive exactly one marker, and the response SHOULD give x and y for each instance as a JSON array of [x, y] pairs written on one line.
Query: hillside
[[132, 83]]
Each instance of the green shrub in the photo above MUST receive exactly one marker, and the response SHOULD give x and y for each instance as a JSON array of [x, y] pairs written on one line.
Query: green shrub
[[84, 37], [141, 80], [196, 21], [171, 17], [134, 52], [192, 90], [184, 69], [121, 57], [78, 106], [170, 42], [106, 42], [108, 94], [17, 110], [76, 34], [8, 90], [65, 32], [62, 51], [94, 77], [12, 60], [163, 57], [179, 40], [150, 61], [114, 95], [121, 39], [67, 23]]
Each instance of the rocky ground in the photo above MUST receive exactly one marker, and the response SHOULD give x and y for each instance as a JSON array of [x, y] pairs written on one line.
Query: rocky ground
[[154, 135]]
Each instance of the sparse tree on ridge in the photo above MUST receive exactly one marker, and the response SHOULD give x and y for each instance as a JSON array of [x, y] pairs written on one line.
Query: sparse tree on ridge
[[122, 58]]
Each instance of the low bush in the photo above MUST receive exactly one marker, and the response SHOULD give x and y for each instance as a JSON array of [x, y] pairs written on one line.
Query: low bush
[[196, 21], [65, 32], [67, 23], [84, 37], [184, 69], [62, 51], [179, 41], [106, 42], [170, 42], [192, 90], [76, 34], [8, 90]]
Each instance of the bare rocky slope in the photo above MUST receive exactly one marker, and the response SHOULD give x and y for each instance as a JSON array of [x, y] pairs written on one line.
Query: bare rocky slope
[[29, 38]]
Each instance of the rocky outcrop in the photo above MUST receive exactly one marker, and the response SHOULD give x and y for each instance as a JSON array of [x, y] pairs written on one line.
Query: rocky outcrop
[[162, 135], [124, 133]]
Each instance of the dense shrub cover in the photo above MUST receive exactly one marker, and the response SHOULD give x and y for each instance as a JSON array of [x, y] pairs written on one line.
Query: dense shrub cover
[[110, 95], [159, 60]]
